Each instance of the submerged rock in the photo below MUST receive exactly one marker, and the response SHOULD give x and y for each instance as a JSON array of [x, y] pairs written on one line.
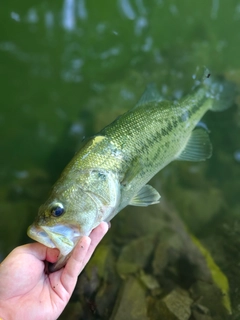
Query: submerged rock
[[131, 303], [72, 311], [135, 255], [199, 207], [209, 296], [150, 282], [174, 306]]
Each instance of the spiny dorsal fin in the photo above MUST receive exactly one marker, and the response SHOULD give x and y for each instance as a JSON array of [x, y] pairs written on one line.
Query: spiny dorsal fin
[[146, 196], [150, 94], [198, 147]]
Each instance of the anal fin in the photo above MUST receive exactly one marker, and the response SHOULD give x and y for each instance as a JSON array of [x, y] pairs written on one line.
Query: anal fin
[[198, 148], [146, 196]]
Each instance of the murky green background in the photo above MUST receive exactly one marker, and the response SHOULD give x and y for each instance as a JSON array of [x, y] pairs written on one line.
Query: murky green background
[[67, 68]]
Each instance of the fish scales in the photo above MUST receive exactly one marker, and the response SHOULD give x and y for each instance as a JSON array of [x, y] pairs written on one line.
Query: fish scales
[[112, 169], [155, 134]]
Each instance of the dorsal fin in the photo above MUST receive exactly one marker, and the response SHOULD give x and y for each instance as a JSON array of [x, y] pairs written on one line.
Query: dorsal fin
[[150, 94]]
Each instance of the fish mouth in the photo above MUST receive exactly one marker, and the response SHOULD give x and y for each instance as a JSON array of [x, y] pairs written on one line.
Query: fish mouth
[[61, 237]]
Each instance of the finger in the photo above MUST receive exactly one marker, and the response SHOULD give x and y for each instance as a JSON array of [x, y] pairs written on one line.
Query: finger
[[36, 249], [75, 264], [52, 255], [39, 251], [80, 256], [96, 236]]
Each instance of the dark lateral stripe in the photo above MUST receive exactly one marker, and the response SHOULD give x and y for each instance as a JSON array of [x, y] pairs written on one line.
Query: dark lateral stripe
[[197, 106], [173, 123], [170, 126], [156, 138]]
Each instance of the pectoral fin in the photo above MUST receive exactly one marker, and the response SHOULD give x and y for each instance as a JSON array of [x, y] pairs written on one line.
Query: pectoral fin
[[145, 196], [198, 147]]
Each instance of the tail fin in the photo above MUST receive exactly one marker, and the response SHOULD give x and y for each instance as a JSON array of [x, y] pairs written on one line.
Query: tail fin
[[222, 91]]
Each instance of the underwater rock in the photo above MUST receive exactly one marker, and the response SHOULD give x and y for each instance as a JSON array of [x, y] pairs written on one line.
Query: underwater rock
[[102, 260], [150, 282], [224, 242], [131, 301], [178, 303], [209, 296], [110, 280], [135, 255], [177, 253], [199, 316], [174, 306], [198, 207], [73, 311], [99, 282], [135, 222], [106, 297], [200, 312]]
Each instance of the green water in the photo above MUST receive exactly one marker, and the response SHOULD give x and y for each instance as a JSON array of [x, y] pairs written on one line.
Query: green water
[[67, 68]]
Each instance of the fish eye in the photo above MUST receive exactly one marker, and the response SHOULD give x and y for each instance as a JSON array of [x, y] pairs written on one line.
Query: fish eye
[[57, 210]]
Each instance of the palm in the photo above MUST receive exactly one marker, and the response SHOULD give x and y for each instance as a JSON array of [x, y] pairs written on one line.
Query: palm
[[27, 292]]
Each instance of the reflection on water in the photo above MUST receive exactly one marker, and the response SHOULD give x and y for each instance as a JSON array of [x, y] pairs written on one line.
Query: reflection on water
[[215, 7], [127, 10], [68, 68]]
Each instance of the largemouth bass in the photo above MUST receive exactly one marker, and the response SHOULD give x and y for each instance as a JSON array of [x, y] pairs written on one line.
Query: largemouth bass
[[112, 169]]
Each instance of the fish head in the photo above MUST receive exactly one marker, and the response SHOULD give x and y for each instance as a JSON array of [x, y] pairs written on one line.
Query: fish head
[[62, 220], [74, 208]]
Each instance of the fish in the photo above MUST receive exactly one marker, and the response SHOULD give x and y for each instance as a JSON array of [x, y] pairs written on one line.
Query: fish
[[112, 168]]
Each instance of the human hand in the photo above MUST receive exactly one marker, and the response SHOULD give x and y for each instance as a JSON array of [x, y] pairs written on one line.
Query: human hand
[[27, 292]]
